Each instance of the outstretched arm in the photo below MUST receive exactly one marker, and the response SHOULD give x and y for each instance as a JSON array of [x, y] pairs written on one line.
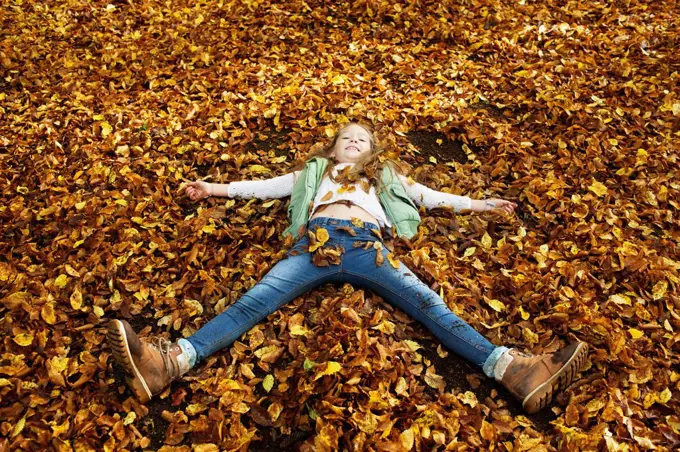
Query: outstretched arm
[[277, 187], [424, 196]]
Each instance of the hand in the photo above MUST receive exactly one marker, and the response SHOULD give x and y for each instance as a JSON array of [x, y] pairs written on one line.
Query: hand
[[508, 206], [198, 190]]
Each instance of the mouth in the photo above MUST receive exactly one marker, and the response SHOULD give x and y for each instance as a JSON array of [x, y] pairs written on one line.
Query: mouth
[[351, 147]]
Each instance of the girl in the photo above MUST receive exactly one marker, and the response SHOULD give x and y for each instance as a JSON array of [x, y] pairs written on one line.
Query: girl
[[344, 195]]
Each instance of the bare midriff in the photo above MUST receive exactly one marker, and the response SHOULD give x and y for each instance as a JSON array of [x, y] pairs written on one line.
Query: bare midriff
[[344, 210]]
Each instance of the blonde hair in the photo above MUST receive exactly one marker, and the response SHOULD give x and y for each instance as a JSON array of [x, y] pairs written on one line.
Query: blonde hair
[[369, 165]]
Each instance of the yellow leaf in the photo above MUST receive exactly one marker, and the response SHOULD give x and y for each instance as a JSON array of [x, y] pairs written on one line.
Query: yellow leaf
[[106, 128], [55, 366], [523, 313], [47, 313], [486, 241], [469, 251], [205, 447], [76, 299], [23, 339], [385, 326], [529, 336], [659, 290], [331, 368], [99, 312], [19, 427], [72, 271], [268, 382], [468, 398], [620, 299], [269, 113], [322, 235], [347, 189], [412, 345], [395, 262], [130, 418], [208, 228], [636, 334], [61, 281], [259, 169], [298, 330], [665, 395], [358, 222], [598, 188], [406, 439], [496, 305], [338, 80]]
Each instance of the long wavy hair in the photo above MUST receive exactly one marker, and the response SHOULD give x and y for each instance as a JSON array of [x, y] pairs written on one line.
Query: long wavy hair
[[369, 165]]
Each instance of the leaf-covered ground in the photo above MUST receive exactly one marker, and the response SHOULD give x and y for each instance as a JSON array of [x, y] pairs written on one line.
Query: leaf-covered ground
[[107, 108]]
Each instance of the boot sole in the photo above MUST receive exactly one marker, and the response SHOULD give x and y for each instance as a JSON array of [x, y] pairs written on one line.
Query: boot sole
[[540, 397], [118, 342]]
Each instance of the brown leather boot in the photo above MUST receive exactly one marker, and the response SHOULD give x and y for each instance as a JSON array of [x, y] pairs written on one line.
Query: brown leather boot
[[151, 366], [536, 379]]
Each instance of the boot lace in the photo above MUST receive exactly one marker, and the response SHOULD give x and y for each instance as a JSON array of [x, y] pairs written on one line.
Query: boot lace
[[163, 346]]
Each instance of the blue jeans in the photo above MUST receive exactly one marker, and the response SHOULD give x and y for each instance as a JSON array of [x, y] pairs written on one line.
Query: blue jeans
[[296, 274]]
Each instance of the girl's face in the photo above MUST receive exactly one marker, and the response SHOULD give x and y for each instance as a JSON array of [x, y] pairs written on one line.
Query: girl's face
[[352, 143]]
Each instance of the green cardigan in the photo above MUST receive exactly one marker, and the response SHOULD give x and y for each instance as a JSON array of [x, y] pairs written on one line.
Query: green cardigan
[[400, 209]]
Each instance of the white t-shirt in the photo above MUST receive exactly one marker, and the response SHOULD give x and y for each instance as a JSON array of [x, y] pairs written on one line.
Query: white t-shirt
[[282, 186]]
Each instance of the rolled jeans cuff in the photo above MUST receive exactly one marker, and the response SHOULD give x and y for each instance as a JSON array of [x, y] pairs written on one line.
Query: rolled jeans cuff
[[490, 363], [190, 351]]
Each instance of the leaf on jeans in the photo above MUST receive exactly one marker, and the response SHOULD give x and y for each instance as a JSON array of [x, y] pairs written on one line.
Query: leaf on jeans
[[358, 222], [321, 237], [348, 230], [395, 262], [379, 258]]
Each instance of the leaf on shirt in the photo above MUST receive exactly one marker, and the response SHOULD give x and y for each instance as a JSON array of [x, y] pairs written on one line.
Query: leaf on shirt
[[347, 189], [327, 196], [365, 186]]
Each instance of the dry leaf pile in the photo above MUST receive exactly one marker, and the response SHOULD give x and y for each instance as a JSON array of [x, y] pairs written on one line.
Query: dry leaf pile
[[108, 108]]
